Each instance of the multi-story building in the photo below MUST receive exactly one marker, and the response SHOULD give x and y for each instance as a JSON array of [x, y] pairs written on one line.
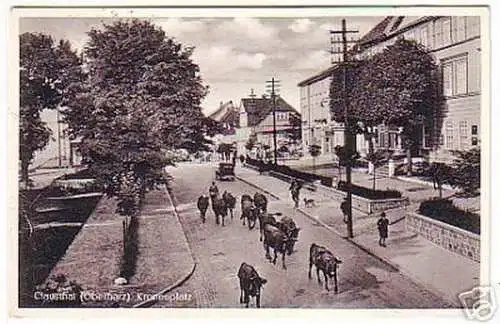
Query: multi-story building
[[455, 43], [317, 125], [256, 118]]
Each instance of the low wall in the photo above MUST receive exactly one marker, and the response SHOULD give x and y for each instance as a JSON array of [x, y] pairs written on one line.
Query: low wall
[[364, 205], [449, 237]]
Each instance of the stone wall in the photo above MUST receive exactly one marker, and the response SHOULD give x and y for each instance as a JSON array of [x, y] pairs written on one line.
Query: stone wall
[[449, 237]]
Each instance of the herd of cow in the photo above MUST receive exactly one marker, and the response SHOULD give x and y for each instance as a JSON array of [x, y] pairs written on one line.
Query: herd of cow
[[279, 235]]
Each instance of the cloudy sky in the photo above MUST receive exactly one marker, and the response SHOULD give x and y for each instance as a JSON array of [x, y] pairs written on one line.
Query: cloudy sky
[[234, 54]]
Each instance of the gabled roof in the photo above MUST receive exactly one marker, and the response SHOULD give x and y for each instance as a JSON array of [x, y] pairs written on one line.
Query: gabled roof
[[258, 108], [222, 110]]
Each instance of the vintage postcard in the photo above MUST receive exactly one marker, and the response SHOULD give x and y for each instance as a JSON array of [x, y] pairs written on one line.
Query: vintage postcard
[[206, 160]]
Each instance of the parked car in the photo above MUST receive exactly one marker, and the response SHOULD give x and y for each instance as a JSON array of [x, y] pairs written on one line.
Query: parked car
[[225, 171]]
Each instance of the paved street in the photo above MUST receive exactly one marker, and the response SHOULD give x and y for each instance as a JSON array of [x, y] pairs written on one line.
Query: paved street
[[364, 281]]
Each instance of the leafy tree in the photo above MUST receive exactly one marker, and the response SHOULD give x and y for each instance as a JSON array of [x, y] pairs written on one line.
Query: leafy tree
[[141, 99], [396, 87], [401, 84], [377, 158], [441, 174], [344, 158], [466, 173], [250, 144], [39, 90], [294, 133], [314, 150]]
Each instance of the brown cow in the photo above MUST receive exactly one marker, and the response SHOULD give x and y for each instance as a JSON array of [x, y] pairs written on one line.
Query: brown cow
[[248, 211], [278, 240], [260, 202], [266, 218], [250, 284], [287, 225], [230, 201], [325, 261]]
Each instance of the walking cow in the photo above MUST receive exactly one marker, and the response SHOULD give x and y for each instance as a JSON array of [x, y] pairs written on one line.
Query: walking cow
[[220, 210], [248, 211], [260, 202], [250, 284], [325, 261], [277, 240], [287, 225], [203, 206], [230, 202]]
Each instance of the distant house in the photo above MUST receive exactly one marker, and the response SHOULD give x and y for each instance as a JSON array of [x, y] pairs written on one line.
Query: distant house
[[256, 118]]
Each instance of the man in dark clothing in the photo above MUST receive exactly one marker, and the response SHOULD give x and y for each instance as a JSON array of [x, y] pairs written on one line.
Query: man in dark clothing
[[383, 229], [343, 208], [213, 191], [295, 191]]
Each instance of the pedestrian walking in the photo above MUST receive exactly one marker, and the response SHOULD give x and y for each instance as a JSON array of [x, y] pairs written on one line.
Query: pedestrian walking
[[343, 208], [383, 229], [213, 191], [295, 191]]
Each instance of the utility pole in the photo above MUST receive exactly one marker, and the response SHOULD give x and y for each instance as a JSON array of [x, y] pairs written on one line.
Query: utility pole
[[272, 86], [348, 136]]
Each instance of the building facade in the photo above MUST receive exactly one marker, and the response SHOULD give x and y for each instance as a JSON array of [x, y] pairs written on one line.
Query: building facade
[[455, 44], [256, 118]]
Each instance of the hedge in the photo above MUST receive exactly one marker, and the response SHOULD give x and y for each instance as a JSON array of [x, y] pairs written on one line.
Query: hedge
[[309, 177], [444, 211], [369, 193]]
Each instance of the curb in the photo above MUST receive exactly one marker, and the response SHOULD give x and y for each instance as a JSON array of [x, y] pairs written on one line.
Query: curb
[[154, 299], [389, 263], [257, 187], [183, 279], [369, 251]]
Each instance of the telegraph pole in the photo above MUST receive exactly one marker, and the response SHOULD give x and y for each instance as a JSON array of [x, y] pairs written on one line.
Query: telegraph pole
[[273, 84], [348, 136]]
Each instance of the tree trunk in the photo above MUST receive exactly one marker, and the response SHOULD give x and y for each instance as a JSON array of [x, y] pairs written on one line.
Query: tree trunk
[[24, 173], [409, 162], [374, 176]]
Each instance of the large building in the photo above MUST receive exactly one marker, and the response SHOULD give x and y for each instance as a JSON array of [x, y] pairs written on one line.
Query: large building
[[455, 43], [256, 118]]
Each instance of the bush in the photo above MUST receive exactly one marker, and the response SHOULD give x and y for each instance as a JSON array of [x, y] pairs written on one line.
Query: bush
[[369, 193], [444, 211], [308, 177]]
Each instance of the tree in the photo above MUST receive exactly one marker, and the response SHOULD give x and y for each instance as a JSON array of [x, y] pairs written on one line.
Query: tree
[[294, 133], [396, 87], [377, 158], [466, 173], [344, 158], [40, 84], [314, 150], [250, 144], [441, 174], [400, 83], [141, 99]]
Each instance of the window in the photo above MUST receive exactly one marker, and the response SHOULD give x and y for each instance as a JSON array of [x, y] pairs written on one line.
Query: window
[[455, 76], [473, 26], [446, 31], [449, 135], [426, 134], [424, 36], [410, 35], [464, 134], [442, 29], [458, 29], [474, 141], [474, 130]]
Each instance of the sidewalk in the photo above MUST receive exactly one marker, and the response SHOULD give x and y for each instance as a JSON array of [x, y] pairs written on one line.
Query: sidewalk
[[440, 271], [163, 257]]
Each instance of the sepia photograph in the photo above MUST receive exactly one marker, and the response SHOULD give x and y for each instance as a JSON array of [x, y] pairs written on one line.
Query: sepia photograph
[[234, 158]]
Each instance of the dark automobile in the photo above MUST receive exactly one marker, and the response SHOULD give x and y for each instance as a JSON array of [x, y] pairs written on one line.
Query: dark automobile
[[225, 171]]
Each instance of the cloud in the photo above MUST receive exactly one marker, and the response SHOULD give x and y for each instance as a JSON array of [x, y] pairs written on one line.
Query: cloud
[[246, 29], [223, 61], [175, 27], [314, 61], [301, 25]]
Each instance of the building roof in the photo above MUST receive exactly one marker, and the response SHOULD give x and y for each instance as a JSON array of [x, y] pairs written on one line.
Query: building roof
[[226, 114], [318, 77], [258, 108], [222, 110]]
